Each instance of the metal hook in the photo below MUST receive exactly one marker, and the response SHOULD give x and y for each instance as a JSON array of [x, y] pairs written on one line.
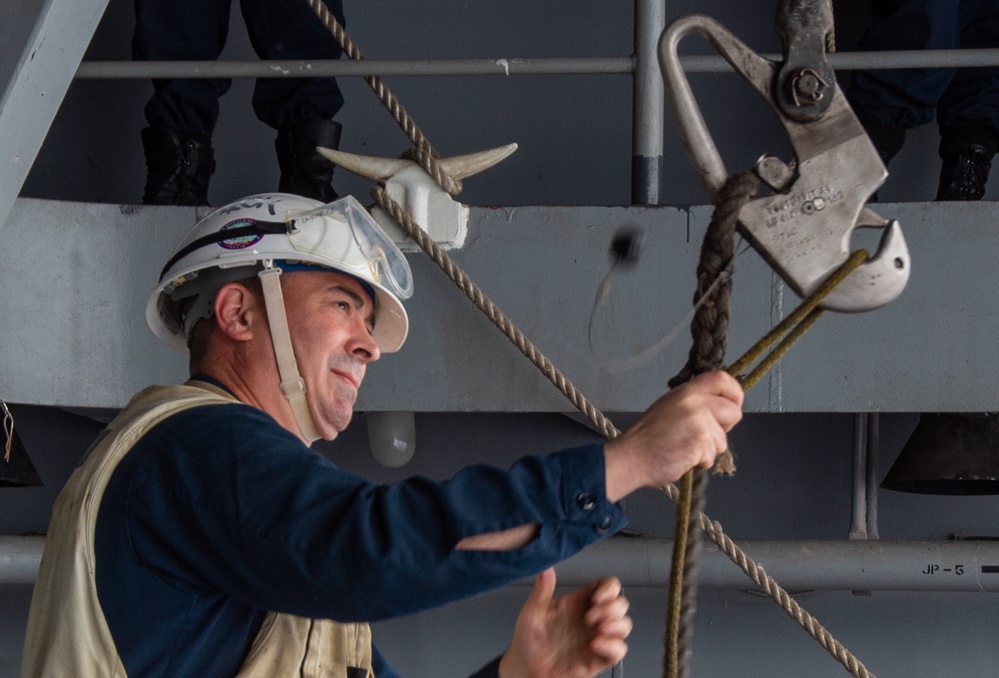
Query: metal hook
[[803, 228]]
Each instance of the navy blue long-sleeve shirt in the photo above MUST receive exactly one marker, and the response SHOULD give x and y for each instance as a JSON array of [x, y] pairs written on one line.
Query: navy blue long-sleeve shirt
[[218, 515]]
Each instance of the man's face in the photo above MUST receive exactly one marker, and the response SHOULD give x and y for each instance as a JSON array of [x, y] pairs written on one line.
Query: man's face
[[330, 317]]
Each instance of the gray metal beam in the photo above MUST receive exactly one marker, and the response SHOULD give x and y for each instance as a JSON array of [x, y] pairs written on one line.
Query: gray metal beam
[[75, 279], [41, 45], [19, 559], [800, 565]]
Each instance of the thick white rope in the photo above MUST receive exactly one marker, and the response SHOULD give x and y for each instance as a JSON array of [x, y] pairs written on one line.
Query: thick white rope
[[427, 157]]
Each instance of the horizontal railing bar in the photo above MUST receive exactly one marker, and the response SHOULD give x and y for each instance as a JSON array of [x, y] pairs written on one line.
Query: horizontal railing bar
[[346, 67], [843, 61]]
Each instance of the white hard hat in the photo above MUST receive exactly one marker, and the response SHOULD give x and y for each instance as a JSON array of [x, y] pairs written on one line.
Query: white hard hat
[[279, 229]]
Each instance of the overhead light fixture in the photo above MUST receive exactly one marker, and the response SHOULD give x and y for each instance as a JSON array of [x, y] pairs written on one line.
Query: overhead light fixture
[[16, 469], [949, 453], [392, 437]]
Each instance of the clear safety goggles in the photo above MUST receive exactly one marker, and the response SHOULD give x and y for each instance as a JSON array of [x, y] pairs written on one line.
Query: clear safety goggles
[[320, 232]]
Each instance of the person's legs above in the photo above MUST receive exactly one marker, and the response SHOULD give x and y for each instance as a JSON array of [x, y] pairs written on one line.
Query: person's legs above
[[890, 102], [300, 109], [968, 113], [182, 112]]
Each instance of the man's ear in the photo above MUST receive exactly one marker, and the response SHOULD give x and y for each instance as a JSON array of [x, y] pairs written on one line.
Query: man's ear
[[237, 310]]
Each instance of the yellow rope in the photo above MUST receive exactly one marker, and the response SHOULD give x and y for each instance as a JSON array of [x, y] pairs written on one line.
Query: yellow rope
[[792, 328], [793, 325], [674, 597]]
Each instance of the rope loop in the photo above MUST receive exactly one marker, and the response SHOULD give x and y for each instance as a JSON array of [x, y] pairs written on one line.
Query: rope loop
[[709, 329]]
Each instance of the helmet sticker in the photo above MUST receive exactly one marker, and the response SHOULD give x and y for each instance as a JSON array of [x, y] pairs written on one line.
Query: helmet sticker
[[240, 242]]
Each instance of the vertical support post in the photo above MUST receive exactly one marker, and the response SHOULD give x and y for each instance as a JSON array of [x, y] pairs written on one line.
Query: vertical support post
[[648, 104], [858, 518], [866, 448], [873, 453]]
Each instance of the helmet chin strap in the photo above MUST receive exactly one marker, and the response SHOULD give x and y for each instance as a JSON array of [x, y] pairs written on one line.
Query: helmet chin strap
[[292, 384]]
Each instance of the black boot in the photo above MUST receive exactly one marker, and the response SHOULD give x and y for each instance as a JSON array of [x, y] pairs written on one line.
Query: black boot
[[966, 153], [178, 165], [303, 171]]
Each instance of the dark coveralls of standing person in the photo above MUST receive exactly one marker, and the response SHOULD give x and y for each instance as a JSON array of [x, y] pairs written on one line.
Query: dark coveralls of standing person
[[202, 536], [965, 101], [182, 113]]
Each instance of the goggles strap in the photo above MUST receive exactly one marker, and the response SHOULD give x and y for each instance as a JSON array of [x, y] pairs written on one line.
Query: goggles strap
[[292, 384]]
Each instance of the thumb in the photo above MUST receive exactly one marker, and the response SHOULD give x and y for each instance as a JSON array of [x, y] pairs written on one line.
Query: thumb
[[543, 590]]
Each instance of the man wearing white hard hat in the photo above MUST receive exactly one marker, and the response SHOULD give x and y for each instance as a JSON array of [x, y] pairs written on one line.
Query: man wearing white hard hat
[[202, 537]]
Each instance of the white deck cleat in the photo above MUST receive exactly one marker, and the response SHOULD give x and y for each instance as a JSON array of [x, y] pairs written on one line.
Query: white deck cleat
[[444, 219]]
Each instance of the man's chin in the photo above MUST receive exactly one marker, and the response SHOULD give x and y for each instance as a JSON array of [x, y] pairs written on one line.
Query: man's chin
[[332, 426]]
